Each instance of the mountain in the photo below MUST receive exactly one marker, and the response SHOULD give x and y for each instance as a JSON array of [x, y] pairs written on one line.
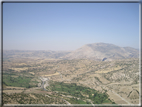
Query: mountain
[[102, 51], [96, 51]]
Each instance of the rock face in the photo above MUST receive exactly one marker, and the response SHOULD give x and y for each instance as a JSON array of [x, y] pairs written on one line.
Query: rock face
[[134, 94], [99, 51]]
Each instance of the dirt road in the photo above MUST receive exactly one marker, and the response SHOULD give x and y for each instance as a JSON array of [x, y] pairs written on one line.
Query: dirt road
[[116, 97]]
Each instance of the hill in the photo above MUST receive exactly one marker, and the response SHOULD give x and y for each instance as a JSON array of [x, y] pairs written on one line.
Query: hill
[[103, 51]]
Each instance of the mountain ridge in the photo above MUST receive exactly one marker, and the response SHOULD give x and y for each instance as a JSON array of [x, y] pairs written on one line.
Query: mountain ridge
[[94, 51]]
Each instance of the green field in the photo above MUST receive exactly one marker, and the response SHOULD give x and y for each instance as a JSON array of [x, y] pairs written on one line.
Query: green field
[[80, 92], [19, 81]]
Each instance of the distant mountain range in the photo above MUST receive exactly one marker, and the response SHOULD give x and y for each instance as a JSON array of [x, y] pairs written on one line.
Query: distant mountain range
[[96, 51]]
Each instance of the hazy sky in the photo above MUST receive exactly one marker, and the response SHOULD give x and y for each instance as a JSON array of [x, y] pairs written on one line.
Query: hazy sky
[[68, 26]]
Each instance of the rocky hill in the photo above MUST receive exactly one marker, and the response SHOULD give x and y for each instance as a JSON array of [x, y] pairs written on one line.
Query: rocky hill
[[103, 51]]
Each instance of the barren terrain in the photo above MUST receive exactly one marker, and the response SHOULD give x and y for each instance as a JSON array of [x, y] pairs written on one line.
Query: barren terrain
[[120, 77]]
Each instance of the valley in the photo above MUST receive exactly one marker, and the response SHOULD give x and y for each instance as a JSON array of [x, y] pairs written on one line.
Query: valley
[[119, 79], [44, 80]]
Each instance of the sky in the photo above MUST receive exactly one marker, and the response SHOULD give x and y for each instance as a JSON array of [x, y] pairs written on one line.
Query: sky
[[69, 26]]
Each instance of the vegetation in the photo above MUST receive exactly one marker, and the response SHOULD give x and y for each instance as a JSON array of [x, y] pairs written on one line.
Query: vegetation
[[121, 76], [23, 98], [20, 81], [80, 92], [76, 101]]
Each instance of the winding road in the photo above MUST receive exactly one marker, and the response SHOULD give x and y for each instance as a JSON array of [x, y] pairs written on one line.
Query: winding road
[[44, 83]]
